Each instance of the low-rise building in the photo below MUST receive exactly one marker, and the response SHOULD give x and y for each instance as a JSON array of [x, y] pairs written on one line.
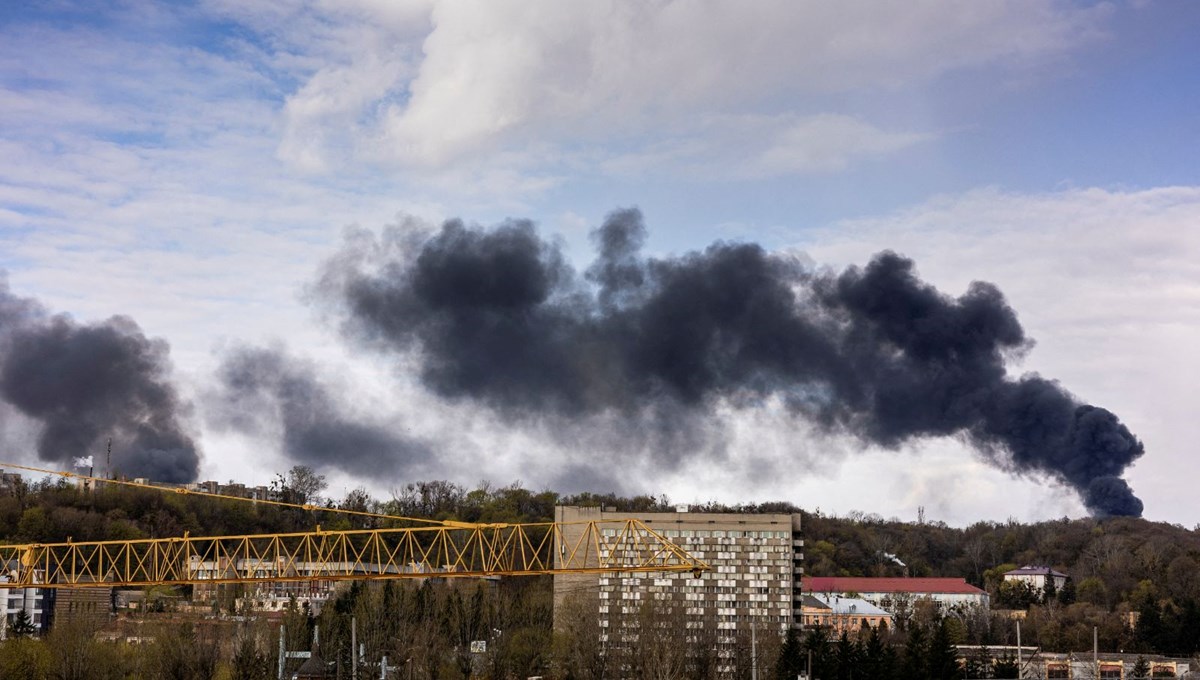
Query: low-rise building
[[843, 614], [1083, 665], [298, 581], [1037, 576], [890, 593]]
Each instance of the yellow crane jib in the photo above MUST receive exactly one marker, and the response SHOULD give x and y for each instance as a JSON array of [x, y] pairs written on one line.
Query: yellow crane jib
[[439, 548], [415, 552]]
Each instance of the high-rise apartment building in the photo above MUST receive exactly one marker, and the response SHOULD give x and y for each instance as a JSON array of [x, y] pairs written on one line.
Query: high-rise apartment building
[[751, 593]]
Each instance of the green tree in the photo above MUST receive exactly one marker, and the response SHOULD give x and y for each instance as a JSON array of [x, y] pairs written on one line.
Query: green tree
[[302, 484], [1093, 590], [791, 657], [846, 652], [22, 625], [1149, 634], [78, 656], [879, 660], [1017, 595], [979, 664], [816, 647], [1050, 592], [913, 664], [1066, 596], [943, 655], [250, 661], [1005, 667], [25, 658], [1141, 668]]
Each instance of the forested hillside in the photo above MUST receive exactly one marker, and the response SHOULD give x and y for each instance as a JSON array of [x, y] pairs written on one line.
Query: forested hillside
[[1137, 581]]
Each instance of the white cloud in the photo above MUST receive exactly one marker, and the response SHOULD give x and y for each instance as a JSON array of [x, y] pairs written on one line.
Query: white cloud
[[1106, 281], [756, 146], [496, 76]]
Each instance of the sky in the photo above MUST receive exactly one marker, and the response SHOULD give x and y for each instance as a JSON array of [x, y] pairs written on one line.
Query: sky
[[197, 166]]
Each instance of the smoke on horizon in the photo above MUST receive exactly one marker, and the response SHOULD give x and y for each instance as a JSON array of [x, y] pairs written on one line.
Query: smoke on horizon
[[267, 391], [86, 383], [499, 318]]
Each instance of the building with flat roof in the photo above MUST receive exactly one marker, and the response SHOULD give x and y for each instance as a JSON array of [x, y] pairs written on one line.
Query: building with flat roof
[[35, 602], [752, 590]]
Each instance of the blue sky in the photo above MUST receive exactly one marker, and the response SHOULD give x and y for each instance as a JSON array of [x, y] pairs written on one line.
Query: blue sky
[[192, 164]]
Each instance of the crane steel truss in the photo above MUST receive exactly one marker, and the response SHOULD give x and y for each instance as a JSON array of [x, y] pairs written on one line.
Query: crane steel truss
[[417, 552]]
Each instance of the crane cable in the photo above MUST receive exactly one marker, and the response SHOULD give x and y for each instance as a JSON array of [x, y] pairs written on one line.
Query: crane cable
[[302, 506]]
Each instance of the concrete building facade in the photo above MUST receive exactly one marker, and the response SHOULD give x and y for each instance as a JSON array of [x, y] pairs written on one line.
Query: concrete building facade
[[35, 602], [752, 588]]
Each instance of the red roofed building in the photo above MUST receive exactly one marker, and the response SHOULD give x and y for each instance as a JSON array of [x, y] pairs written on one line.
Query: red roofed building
[[886, 593]]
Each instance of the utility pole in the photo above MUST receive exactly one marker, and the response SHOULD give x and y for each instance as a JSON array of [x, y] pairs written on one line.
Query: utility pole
[[753, 652], [353, 648], [1020, 672], [284, 655], [1096, 649]]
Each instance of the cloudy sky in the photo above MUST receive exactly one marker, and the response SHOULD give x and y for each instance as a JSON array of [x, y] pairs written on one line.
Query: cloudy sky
[[196, 166]]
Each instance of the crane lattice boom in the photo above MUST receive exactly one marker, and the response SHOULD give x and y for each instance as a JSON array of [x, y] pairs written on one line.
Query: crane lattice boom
[[440, 548], [417, 552]]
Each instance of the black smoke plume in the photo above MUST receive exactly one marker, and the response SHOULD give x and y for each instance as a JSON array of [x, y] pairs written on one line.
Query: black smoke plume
[[498, 317], [87, 383], [266, 391]]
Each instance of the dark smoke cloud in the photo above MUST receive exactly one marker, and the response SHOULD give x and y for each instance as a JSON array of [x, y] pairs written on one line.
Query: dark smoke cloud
[[265, 391], [87, 383], [498, 317]]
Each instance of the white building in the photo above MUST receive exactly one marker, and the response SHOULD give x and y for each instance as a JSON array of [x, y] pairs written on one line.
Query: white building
[[1037, 576], [299, 580], [35, 602], [948, 593]]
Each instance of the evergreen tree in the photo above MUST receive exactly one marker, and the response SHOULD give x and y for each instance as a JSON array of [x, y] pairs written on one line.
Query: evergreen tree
[[1005, 667], [913, 664], [22, 625], [816, 647], [847, 656], [1050, 592], [1067, 594], [1141, 668], [791, 657], [1187, 627], [979, 664], [943, 655], [878, 660], [1149, 631]]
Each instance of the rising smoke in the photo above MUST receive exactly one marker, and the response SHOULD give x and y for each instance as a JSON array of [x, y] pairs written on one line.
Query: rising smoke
[[267, 391], [498, 317], [84, 384]]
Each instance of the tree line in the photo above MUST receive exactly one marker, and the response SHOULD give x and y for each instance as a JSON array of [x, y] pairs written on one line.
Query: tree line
[[1137, 582]]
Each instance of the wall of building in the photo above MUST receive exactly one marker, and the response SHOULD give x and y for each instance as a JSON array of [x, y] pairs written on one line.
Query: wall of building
[[754, 582]]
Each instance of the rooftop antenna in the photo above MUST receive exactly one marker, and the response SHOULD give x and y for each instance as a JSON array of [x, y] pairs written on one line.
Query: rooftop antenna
[[108, 460]]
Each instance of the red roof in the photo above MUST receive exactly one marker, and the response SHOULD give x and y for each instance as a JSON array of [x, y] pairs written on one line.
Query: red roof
[[855, 584]]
